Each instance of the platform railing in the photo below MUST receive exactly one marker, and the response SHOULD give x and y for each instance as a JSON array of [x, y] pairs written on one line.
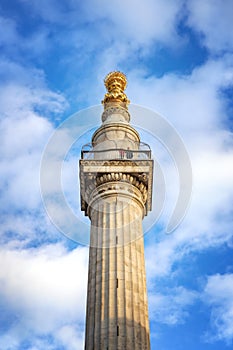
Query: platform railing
[[116, 153]]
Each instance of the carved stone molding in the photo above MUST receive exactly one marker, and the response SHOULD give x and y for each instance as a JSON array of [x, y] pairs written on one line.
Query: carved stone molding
[[97, 162], [115, 182], [115, 110]]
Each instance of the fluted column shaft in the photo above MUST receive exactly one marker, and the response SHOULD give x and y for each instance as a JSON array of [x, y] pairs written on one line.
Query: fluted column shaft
[[117, 310]]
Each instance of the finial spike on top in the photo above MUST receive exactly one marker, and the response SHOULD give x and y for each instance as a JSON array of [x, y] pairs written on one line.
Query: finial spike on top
[[115, 83]]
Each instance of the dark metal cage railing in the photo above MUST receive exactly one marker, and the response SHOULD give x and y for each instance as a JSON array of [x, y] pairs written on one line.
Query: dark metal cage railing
[[143, 152]]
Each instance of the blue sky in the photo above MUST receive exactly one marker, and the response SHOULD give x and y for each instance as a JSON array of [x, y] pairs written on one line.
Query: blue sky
[[178, 58]]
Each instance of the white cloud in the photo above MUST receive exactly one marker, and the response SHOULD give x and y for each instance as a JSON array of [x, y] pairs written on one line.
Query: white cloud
[[194, 100], [208, 222], [45, 289], [112, 32], [218, 294], [213, 19], [137, 21], [70, 337], [198, 112], [92, 27], [123, 21], [24, 131], [171, 308]]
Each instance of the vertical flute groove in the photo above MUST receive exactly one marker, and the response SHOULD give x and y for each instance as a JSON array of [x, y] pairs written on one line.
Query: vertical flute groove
[[98, 281], [132, 302], [137, 325]]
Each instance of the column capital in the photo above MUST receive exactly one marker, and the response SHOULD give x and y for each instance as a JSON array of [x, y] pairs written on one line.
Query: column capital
[[114, 174]]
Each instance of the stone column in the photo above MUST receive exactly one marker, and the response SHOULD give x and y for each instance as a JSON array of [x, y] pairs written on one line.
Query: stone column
[[116, 191]]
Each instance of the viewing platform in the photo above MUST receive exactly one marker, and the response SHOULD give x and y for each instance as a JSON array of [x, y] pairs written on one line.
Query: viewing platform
[[139, 151]]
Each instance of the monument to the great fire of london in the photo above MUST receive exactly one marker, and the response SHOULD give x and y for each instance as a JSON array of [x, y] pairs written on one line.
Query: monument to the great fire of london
[[116, 173]]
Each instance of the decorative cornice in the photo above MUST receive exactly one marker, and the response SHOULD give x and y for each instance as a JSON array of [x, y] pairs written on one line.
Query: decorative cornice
[[121, 162]]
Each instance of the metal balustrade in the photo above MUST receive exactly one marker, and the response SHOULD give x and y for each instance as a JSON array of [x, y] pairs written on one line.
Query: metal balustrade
[[116, 153]]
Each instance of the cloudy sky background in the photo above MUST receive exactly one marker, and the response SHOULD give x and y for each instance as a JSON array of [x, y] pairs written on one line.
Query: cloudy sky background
[[178, 58]]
